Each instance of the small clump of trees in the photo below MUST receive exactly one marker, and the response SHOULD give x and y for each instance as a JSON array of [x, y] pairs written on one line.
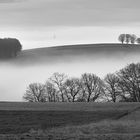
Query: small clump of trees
[[129, 39], [122, 86], [9, 47]]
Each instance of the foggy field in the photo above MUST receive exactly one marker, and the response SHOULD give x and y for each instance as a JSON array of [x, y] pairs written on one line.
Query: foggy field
[[37, 65], [40, 120]]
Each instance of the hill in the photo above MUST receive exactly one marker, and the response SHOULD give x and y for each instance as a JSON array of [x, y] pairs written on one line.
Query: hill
[[70, 53]]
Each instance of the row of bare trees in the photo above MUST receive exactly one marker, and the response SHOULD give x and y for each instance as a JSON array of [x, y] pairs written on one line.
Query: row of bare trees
[[129, 38], [123, 85], [60, 88]]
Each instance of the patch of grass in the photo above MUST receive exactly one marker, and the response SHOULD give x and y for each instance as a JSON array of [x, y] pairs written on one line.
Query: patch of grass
[[17, 118], [104, 130], [84, 106], [103, 127], [14, 122]]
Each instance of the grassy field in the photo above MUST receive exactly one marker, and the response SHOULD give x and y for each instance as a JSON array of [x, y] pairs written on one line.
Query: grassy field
[[23, 121], [24, 106], [18, 118]]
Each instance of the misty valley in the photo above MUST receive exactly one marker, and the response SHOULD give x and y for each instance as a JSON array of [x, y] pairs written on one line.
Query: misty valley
[[69, 70]]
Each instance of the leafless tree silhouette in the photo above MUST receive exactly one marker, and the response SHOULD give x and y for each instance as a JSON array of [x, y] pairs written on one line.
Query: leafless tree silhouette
[[35, 93], [122, 38], [92, 86], [58, 79], [138, 40], [112, 90], [72, 89], [128, 38], [130, 82], [51, 92], [133, 39]]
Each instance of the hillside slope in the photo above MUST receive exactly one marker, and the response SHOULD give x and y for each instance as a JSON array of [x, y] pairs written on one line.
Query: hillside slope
[[74, 53]]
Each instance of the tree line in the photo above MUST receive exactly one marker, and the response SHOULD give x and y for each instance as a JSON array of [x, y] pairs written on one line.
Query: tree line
[[129, 38], [121, 86], [9, 47]]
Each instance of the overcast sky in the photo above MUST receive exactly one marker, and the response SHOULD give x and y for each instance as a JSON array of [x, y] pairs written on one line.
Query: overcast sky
[[40, 23]]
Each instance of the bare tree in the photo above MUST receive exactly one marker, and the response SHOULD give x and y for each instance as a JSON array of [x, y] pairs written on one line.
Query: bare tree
[[72, 89], [122, 38], [92, 86], [35, 93], [51, 92], [112, 90], [58, 79], [138, 40], [130, 82], [128, 38], [133, 39]]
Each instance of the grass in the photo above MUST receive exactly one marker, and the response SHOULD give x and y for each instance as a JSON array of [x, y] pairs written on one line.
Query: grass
[[103, 130], [24, 106], [75, 121], [20, 117], [12, 122], [106, 127]]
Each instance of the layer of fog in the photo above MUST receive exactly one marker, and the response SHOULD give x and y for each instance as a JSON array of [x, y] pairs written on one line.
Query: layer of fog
[[15, 79]]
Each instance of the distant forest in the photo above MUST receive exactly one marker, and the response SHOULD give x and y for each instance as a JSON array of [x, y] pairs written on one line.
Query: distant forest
[[9, 47]]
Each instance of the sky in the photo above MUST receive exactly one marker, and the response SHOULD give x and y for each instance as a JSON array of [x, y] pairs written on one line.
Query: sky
[[45, 23]]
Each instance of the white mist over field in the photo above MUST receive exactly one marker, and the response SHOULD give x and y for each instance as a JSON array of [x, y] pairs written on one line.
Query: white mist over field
[[15, 78]]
